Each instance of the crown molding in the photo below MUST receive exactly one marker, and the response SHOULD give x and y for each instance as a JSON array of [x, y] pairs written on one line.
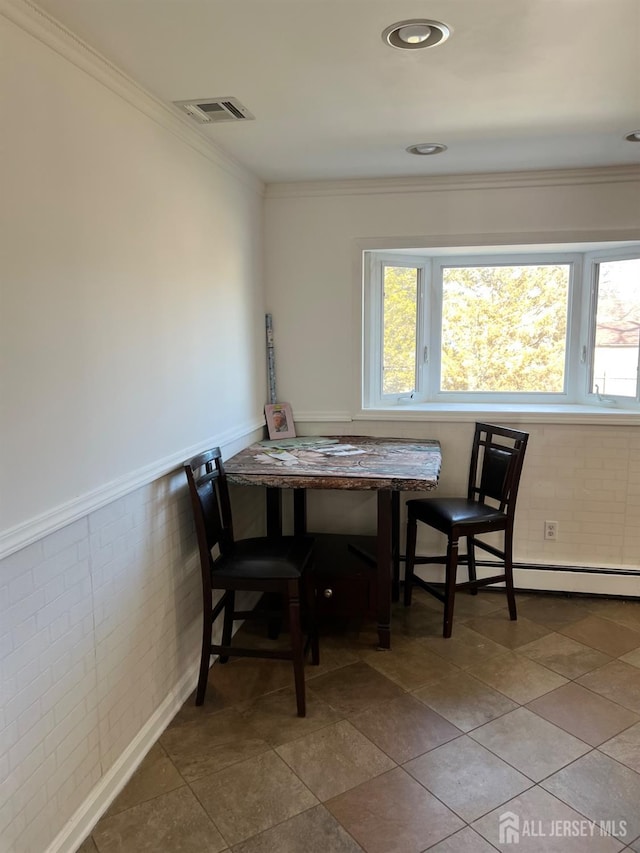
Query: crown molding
[[37, 23], [444, 183]]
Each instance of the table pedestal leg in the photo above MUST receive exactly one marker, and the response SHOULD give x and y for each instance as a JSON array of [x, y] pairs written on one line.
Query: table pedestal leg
[[395, 545], [299, 512], [274, 512], [384, 549]]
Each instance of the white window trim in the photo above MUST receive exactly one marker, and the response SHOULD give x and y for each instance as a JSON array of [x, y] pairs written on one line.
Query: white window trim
[[576, 398]]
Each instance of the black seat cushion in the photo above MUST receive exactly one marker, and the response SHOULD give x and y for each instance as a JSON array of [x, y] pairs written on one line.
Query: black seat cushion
[[444, 513], [281, 558]]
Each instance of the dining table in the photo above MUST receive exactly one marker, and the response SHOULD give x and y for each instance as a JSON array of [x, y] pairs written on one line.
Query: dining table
[[388, 466]]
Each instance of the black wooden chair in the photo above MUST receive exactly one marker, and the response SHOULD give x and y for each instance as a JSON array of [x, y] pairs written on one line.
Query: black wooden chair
[[266, 564], [494, 475]]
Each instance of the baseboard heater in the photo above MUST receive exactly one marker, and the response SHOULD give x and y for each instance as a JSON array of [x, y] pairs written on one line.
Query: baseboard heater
[[586, 580]]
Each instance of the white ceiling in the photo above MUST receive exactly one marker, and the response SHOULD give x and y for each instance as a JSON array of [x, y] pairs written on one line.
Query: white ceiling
[[519, 85]]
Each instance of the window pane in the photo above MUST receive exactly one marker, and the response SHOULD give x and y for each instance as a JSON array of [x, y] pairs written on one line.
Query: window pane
[[615, 358], [399, 330], [504, 328]]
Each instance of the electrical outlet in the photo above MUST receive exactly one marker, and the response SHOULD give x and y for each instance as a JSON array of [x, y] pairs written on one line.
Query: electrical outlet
[[551, 530]]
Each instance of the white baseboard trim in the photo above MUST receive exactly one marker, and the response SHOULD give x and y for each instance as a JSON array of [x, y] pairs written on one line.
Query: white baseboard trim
[[79, 826]]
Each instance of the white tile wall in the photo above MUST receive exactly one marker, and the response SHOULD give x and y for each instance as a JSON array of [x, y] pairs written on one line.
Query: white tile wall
[[587, 478], [583, 477], [99, 621]]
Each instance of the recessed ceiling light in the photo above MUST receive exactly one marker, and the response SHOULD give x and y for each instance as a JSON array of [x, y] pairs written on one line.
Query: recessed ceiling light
[[416, 34], [634, 136], [425, 148]]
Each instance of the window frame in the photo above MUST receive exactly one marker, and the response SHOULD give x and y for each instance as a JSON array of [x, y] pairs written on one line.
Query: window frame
[[580, 341], [589, 320]]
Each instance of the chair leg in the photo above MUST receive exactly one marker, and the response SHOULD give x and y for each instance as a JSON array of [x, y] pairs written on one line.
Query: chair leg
[[412, 533], [227, 625], [508, 574], [471, 558], [205, 657], [450, 586], [395, 545], [297, 646]]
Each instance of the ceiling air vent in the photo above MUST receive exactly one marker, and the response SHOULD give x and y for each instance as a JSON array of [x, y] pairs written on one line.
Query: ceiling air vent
[[209, 110]]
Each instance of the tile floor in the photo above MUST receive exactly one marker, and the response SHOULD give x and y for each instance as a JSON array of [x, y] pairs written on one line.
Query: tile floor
[[420, 748]]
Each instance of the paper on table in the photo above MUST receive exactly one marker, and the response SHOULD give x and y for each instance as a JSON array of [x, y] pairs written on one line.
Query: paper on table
[[338, 450], [299, 443], [279, 455]]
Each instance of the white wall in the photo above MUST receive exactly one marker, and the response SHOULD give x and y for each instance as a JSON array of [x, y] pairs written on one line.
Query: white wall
[[132, 320], [131, 335], [581, 474]]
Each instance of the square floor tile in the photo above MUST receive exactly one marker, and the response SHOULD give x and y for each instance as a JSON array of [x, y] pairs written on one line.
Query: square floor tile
[[354, 688], [601, 789], [394, 814], [334, 759], [625, 747], [588, 716], [349, 639], [464, 841], [273, 717], [623, 612], [603, 634], [409, 664], [315, 831], [416, 621], [330, 658], [518, 677], [511, 634], [87, 846], [468, 778], [554, 611], [237, 681], [536, 822], [342, 646], [632, 657], [215, 742], [465, 701], [404, 728], [466, 648], [617, 681], [252, 796], [173, 821], [564, 655], [156, 775], [467, 606], [532, 745]]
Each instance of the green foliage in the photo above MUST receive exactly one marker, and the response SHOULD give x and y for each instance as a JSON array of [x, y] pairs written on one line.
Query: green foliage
[[504, 328], [399, 330]]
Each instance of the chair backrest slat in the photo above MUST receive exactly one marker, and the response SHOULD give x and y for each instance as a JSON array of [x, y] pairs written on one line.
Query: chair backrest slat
[[496, 464], [209, 492]]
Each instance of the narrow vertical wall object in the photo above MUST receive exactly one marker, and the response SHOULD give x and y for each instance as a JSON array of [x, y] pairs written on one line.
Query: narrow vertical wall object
[[271, 364]]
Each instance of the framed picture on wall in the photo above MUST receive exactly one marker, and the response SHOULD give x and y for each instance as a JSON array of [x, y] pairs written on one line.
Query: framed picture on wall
[[279, 420]]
